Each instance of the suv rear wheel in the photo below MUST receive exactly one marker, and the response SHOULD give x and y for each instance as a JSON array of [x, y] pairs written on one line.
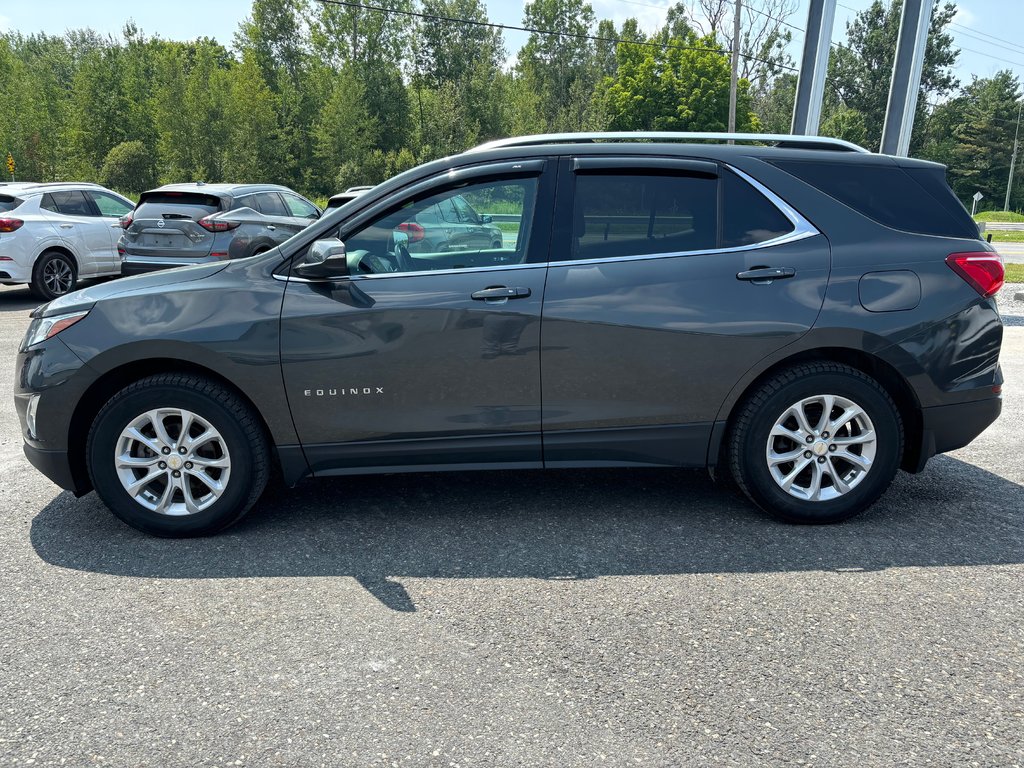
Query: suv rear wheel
[[54, 275], [177, 455], [818, 443]]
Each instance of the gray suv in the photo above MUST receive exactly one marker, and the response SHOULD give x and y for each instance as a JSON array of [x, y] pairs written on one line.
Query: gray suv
[[180, 224], [800, 314]]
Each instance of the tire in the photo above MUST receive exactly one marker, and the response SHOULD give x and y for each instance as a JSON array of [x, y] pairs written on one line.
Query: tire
[[497, 245], [229, 448], [847, 470], [53, 275]]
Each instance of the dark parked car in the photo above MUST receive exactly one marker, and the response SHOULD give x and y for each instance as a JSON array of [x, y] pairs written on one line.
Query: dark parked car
[[350, 194], [181, 224], [801, 314]]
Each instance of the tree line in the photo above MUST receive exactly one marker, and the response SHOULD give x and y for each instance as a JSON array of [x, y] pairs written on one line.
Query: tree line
[[320, 95]]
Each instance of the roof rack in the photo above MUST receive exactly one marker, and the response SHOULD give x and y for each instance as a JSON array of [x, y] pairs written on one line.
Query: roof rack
[[778, 139], [38, 184]]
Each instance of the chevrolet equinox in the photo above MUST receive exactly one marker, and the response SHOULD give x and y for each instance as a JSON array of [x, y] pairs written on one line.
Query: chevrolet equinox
[[796, 312]]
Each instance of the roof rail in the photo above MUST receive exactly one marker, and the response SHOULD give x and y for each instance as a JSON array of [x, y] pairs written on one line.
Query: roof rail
[[778, 139], [35, 184]]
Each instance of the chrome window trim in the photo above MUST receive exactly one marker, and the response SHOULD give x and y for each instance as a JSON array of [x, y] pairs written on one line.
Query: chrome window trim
[[802, 229]]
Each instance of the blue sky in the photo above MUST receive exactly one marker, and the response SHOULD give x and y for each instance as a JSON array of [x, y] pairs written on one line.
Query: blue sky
[[979, 22]]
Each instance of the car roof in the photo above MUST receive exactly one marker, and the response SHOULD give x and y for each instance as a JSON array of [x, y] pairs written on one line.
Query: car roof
[[222, 190]]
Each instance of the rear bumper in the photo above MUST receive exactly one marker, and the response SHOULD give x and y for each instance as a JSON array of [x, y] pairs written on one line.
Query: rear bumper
[[948, 427], [141, 266]]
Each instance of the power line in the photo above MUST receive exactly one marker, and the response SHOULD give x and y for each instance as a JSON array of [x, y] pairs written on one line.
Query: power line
[[536, 31]]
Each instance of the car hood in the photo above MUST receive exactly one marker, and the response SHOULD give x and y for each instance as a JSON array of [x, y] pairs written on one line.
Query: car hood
[[87, 297]]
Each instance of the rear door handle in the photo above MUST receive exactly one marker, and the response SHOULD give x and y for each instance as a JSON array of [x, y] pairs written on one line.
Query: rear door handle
[[67, 226], [271, 227], [764, 275], [500, 293]]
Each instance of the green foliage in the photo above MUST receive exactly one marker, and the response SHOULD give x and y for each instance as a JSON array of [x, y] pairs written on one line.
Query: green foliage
[[683, 87], [1011, 217], [129, 166], [1015, 273], [860, 71]]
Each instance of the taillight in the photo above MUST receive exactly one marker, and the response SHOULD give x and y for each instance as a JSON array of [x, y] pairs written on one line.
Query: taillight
[[413, 230], [127, 219], [983, 270], [9, 225], [217, 225]]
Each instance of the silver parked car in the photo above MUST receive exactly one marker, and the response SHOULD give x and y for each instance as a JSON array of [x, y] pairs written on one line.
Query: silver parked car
[[55, 233]]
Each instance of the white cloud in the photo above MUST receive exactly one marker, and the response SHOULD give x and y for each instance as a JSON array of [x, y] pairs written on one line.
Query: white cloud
[[964, 16]]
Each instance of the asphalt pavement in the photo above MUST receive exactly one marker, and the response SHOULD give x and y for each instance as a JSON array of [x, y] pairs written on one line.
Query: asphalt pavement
[[1012, 253], [570, 618]]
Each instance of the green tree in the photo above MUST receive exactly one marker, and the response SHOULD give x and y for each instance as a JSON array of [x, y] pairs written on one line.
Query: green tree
[[980, 158], [129, 167], [860, 71], [681, 85], [559, 67]]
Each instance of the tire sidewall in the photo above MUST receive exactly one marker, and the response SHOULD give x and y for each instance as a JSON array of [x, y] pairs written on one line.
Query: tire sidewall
[[884, 418], [118, 413]]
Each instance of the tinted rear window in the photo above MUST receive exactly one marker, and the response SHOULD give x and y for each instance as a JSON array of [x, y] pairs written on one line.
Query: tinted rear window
[[748, 217], [909, 199], [630, 215], [153, 205], [9, 203]]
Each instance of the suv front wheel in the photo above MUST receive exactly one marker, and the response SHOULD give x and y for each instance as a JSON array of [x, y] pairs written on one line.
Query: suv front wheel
[[818, 443], [177, 455]]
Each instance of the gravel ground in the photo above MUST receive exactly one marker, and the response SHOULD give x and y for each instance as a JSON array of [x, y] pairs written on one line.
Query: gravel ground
[[567, 618]]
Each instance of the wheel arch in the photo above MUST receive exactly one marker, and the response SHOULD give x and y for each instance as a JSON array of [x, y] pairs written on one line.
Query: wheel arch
[[883, 371], [121, 376], [58, 247]]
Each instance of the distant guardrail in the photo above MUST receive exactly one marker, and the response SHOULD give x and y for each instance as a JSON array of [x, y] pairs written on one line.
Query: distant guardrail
[[1001, 226]]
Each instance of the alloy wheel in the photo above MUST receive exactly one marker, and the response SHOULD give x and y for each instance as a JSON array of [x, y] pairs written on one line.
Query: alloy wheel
[[821, 447], [172, 461]]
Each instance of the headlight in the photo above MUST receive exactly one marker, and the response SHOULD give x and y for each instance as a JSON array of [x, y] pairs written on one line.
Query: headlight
[[43, 328]]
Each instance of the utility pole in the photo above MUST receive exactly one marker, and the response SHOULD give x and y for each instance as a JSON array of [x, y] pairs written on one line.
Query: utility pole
[[906, 76], [733, 81], [810, 84], [1013, 158]]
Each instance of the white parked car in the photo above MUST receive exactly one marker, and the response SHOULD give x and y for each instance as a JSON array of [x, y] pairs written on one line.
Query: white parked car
[[53, 234]]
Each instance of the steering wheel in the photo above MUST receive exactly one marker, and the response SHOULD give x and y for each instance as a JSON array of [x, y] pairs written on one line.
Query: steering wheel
[[402, 258]]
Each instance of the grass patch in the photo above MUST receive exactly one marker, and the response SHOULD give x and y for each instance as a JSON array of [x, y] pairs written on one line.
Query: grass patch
[[1001, 216], [1015, 273], [1006, 237]]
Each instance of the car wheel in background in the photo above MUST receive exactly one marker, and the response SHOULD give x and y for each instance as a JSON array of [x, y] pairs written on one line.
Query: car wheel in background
[[178, 455], [54, 275], [817, 443]]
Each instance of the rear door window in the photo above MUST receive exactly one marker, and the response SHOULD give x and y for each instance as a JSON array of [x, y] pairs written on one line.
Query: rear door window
[[181, 205], [639, 214], [269, 204], [71, 203], [748, 217]]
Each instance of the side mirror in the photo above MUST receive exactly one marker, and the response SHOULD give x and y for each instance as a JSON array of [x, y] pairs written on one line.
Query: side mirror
[[326, 260], [485, 219]]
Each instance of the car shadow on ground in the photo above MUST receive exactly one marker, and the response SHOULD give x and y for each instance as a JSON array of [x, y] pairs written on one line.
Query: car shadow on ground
[[570, 524]]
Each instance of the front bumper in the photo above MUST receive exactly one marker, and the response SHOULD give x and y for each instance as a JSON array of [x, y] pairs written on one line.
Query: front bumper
[[56, 466]]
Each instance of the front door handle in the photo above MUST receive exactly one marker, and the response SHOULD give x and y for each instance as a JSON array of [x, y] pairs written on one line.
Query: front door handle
[[67, 226], [500, 293], [271, 227], [764, 275]]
